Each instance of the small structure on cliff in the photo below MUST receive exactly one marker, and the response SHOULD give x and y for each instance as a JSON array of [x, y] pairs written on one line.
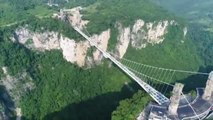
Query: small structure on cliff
[[51, 4]]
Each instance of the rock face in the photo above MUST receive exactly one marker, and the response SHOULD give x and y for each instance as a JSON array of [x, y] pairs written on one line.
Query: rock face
[[75, 17], [17, 85], [37, 41], [123, 40], [185, 30], [15, 88], [139, 35], [176, 95], [74, 52], [145, 33], [102, 41], [209, 89]]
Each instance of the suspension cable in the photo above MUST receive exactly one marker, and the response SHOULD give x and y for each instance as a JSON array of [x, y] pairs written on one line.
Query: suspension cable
[[181, 71], [150, 77], [163, 76], [153, 73], [169, 81], [164, 79], [158, 77]]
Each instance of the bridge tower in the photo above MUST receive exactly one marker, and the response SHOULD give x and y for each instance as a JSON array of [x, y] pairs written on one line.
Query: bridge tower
[[209, 87], [175, 98]]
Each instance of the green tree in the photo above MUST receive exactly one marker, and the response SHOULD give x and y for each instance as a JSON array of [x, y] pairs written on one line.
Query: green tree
[[129, 109]]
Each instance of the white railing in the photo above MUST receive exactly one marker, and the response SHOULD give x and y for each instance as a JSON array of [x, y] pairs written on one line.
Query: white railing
[[157, 96]]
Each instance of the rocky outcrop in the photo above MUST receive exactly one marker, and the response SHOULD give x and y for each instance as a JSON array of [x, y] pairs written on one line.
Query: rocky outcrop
[[73, 15], [76, 17], [176, 96], [37, 41], [148, 33], [123, 40], [102, 42], [209, 89], [74, 52], [185, 30], [18, 114], [17, 85], [140, 35]]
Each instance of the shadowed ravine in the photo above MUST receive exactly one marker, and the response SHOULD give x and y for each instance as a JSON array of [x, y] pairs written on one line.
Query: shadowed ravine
[[98, 108]]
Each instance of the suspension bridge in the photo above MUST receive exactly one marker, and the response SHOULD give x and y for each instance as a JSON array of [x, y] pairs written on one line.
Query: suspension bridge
[[156, 81]]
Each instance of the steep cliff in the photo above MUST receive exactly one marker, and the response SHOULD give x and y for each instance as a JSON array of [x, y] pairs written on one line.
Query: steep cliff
[[140, 34], [74, 52]]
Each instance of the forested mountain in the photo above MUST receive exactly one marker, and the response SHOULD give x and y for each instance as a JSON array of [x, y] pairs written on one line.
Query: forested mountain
[[196, 11], [64, 91], [198, 14]]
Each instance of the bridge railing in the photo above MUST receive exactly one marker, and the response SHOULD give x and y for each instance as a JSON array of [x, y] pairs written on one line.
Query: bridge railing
[[157, 96]]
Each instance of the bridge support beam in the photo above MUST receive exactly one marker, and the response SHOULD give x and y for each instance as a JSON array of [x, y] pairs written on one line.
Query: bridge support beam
[[209, 87], [175, 98]]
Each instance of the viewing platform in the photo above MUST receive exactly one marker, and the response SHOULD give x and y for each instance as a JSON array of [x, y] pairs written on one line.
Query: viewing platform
[[202, 108], [183, 107]]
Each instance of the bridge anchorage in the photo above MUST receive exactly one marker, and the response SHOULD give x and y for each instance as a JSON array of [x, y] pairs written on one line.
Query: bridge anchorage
[[154, 79]]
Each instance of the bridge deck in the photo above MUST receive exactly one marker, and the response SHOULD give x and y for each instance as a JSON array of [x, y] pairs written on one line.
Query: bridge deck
[[157, 96]]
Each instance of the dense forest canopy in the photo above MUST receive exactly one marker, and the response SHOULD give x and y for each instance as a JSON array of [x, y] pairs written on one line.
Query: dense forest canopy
[[198, 14], [103, 15], [195, 11], [12, 11], [131, 108]]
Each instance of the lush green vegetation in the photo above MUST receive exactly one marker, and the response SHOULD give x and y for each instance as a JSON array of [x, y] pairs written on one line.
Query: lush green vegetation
[[172, 53], [13, 11], [60, 84], [105, 14], [196, 11], [12, 56], [129, 109], [199, 16], [74, 3], [102, 17], [204, 42], [50, 24]]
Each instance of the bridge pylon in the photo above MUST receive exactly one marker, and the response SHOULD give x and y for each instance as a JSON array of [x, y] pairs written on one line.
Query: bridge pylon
[[209, 87]]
